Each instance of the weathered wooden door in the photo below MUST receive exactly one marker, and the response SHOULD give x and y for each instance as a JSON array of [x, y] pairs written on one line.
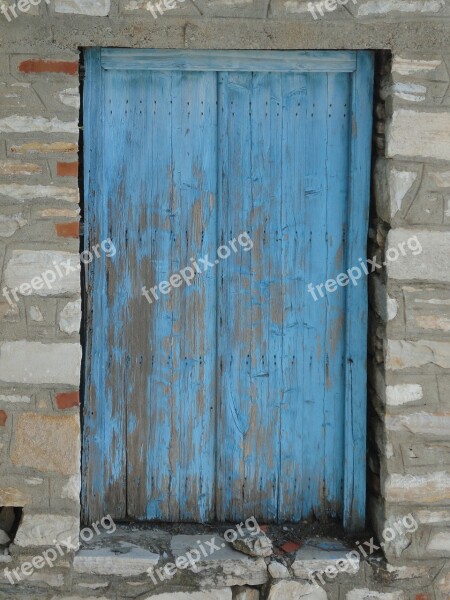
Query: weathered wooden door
[[237, 394]]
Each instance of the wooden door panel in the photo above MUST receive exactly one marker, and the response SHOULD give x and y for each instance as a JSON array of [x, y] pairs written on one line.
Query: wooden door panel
[[238, 394]]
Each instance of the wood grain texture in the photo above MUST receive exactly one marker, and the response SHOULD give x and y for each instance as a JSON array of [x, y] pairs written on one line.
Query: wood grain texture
[[229, 60], [238, 394], [249, 390], [356, 316]]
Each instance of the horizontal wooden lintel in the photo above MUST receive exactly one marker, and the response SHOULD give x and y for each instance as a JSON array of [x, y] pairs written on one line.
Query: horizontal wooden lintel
[[229, 60]]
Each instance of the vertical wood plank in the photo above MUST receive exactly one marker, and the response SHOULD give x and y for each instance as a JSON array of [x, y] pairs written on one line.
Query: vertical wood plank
[[162, 445], [315, 313], [149, 191], [128, 195], [266, 296], [197, 161], [248, 424], [356, 321], [181, 387], [106, 406], [293, 257], [92, 494], [338, 122], [236, 401]]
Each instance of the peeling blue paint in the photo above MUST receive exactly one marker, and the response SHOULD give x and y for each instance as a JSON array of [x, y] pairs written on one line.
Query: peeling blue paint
[[231, 396]]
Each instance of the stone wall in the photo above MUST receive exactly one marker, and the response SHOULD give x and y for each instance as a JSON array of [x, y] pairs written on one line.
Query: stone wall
[[410, 401], [39, 349], [409, 362]]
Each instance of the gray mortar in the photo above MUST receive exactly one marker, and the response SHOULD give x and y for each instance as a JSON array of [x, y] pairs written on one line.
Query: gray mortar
[[56, 35]]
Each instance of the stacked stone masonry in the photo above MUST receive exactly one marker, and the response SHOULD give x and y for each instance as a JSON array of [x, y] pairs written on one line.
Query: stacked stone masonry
[[409, 337]]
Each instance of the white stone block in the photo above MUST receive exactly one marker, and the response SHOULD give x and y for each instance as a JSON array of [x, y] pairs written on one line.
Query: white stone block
[[440, 178], [294, 590], [440, 542], [432, 488], [383, 7], [21, 124], [408, 572], [413, 66], [25, 266], [402, 354], [278, 571], [366, 594], [247, 594], [34, 480], [42, 530], [95, 8], [133, 561], [15, 399], [411, 92], [21, 193], [230, 2], [432, 517], [4, 558], [384, 305], [316, 556], [392, 308], [219, 594], [400, 183], [70, 317], [421, 423], [432, 322], [70, 97], [9, 224], [35, 314], [60, 597], [72, 213], [431, 137], [404, 393], [224, 566], [426, 261], [72, 488], [34, 362]]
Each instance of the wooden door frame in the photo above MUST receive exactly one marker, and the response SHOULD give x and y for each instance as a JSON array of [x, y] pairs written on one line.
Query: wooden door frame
[[360, 64]]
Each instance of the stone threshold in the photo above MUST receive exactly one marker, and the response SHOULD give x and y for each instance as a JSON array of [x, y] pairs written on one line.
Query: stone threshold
[[204, 560]]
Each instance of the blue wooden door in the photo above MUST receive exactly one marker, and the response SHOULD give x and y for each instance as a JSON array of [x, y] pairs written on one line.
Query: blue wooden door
[[236, 393]]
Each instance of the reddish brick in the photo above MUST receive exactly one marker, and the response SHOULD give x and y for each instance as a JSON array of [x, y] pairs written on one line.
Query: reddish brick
[[290, 546], [67, 400], [423, 597], [67, 169], [37, 65], [71, 229], [3, 417]]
